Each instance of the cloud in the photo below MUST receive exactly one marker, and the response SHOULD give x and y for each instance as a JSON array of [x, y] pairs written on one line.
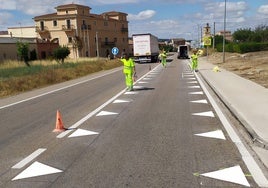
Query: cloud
[[4, 17], [263, 9], [7, 5], [234, 9], [143, 15], [106, 2]]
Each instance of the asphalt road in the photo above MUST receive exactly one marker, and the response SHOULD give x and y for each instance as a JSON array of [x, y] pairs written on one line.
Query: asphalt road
[[163, 134]]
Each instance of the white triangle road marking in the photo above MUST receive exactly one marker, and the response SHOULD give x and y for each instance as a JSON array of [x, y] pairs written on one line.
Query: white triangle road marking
[[131, 93], [120, 101], [207, 114], [36, 169], [141, 82], [147, 78], [232, 174], [138, 87], [106, 113], [196, 93], [188, 75], [213, 134], [191, 87], [200, 101], [82, 132], [193, 82]]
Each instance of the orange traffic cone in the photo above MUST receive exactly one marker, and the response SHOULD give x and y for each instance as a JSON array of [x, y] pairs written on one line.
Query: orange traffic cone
[[59, 124]]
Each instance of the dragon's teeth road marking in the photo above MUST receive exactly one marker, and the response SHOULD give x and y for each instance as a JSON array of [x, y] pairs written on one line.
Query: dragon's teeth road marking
[[120, 101], [196, 93], [232, 174], [138, 87], [192, 87], [213, 134], [207, 114], [82, 132], [200, 101], [29, 158], [36, 169], [193, 82], [106, 113], [131, 93], [143, 82], [147, 78]]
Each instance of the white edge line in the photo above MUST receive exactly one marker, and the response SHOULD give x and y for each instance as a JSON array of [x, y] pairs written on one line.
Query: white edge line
[[28, 159], [253, 167], [78, 123], [59, 89]]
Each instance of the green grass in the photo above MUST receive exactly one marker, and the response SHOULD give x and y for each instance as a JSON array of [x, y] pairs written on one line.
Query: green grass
[[15, 77]]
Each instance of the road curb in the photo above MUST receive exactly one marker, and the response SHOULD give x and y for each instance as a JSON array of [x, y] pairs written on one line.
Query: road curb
[[256, 140]]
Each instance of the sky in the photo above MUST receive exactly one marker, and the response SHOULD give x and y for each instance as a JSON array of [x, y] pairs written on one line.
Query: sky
[[163, 18]]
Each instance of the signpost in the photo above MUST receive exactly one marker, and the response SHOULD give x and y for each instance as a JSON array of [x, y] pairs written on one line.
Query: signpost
[[115, 51]]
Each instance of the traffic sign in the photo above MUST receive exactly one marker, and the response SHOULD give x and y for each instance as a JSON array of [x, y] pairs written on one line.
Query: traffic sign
[[115, 50], [207, 41]]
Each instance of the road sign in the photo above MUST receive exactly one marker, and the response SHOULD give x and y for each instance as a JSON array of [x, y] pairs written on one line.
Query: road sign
[[115, 50], [207, 41]]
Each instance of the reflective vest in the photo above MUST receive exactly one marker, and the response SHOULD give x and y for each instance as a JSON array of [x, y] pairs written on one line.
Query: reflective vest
[[128, 65], [194, 57]]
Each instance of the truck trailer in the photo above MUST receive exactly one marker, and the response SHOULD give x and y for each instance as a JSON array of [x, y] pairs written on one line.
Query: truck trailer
[[145, 48], [183, 52]]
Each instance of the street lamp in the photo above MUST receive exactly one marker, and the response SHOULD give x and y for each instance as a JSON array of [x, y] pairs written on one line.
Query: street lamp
[[224, 32]]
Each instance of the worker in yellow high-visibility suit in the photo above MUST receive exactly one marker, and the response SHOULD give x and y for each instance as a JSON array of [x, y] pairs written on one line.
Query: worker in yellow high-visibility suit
[[163, 58], [129, 71], [194, 58]]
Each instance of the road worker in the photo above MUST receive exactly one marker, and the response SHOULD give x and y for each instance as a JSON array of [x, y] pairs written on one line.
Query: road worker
[[129, 71], [163, 58], [194, 58]]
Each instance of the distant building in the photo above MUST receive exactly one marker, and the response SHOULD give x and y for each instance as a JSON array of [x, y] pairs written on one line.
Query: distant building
[[177, 42], [228, 35], [86, 34]]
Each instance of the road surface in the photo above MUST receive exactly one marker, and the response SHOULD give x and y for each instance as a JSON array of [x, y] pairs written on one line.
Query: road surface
[[163, 134]]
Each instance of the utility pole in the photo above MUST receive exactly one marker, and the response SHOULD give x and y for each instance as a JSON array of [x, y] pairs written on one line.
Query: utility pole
[[224, 33], [214, 33], [97, 44]]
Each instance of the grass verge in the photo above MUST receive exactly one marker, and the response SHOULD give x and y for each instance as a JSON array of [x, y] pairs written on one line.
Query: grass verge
[[16, 77]]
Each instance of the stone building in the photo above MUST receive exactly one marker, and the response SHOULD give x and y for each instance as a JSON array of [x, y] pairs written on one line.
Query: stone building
[[86, 34]]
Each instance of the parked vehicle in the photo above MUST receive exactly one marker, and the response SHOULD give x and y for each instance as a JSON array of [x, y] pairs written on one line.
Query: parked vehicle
[[183, 52], [145, 48]]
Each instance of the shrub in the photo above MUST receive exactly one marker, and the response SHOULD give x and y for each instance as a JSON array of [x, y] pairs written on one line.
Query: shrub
[[61, 53]]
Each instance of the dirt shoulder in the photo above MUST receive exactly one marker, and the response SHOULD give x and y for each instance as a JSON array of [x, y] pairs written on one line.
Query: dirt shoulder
[[252, 66]]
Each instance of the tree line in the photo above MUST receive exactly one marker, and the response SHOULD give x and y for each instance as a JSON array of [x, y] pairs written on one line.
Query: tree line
[[245, 40]]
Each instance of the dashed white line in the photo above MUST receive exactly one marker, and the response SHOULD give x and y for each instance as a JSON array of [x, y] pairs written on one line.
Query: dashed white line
[[28, 159]]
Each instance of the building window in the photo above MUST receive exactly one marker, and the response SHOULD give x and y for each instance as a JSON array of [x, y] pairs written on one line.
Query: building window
[[70, 39], [68, 22], [67, 12], [105, 23], [42, 26], [55, 23], [115, 39]]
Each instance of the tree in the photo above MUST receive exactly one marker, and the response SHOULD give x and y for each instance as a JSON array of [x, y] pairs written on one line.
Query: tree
[[61, 53], [243, 35], [23, 50]]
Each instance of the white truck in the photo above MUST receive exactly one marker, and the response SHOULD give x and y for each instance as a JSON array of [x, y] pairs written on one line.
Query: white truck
[[145, 48]]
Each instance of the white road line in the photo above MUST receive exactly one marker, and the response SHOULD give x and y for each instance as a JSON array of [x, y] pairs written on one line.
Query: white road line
[[251, 164], [28, 159], [53, 91], [78, 123]]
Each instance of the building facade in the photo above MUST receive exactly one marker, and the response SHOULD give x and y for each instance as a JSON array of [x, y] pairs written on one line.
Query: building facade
[[86, 34]]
